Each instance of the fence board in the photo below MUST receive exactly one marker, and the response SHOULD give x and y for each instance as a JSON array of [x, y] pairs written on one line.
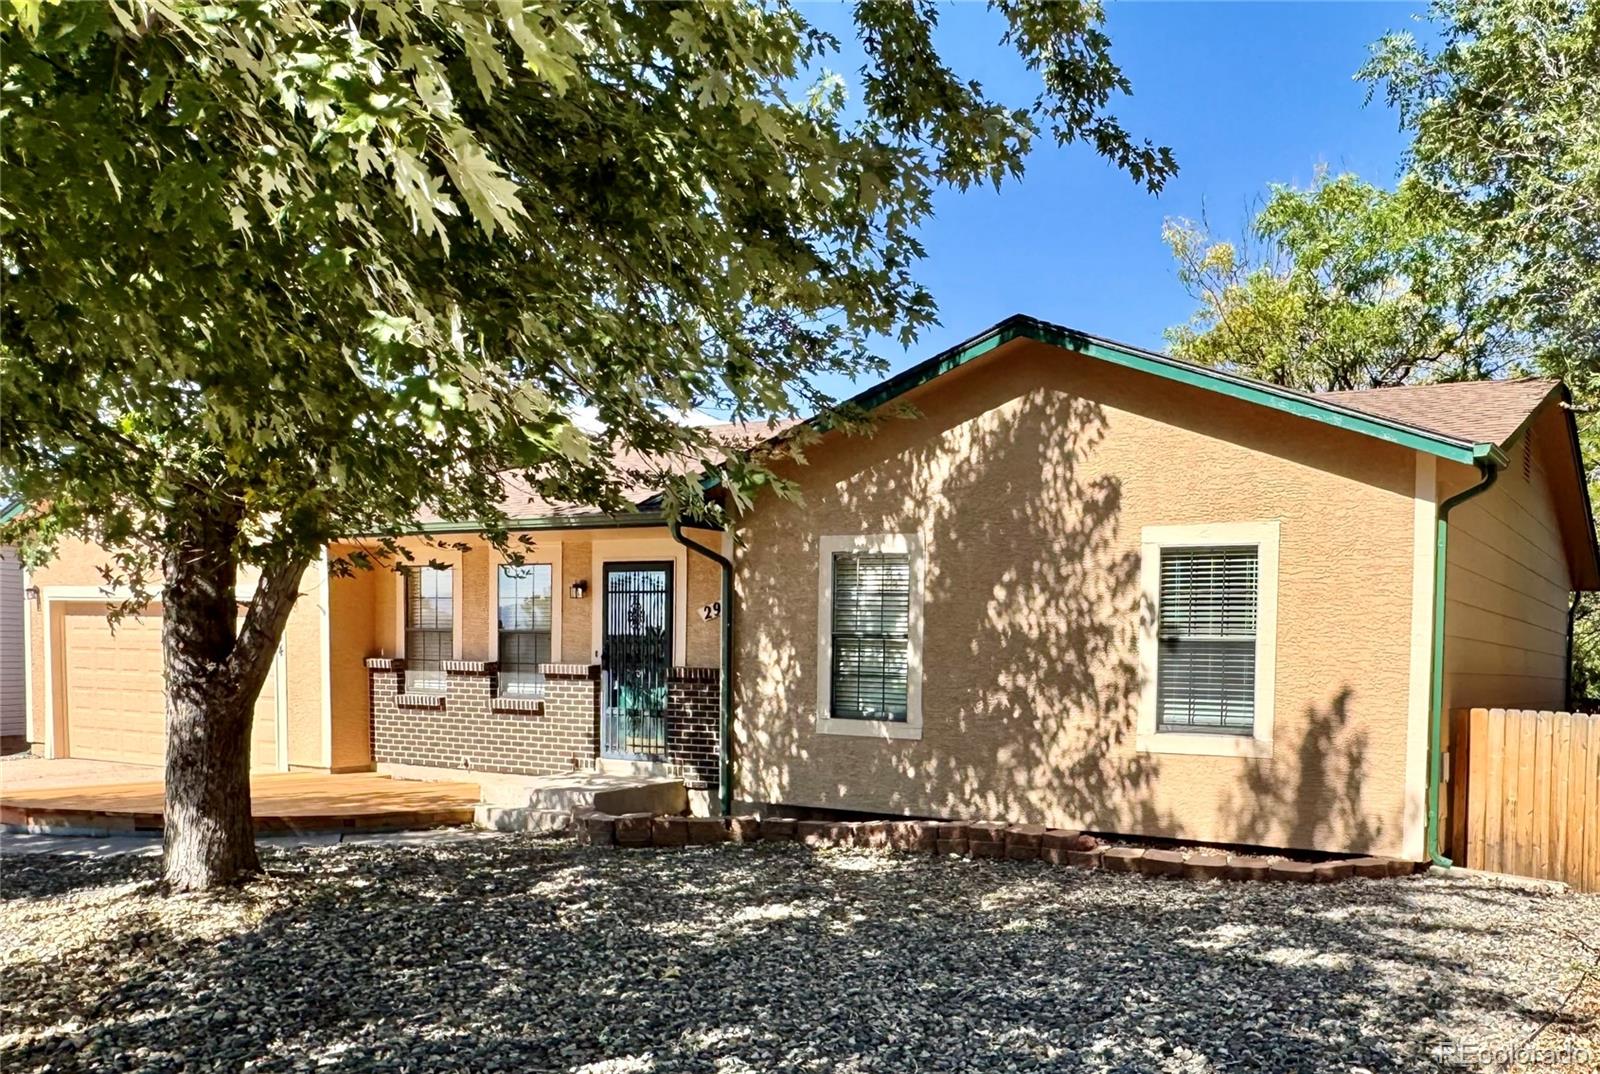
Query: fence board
[[1478, 750], [1544, 772], [1494, 790], [1530, 803], [1560, 790]]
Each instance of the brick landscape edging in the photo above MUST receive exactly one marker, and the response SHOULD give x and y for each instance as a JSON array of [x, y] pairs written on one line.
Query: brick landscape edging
[[976, 839]]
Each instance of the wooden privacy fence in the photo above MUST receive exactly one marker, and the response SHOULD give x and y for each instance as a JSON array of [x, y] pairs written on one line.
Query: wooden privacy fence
[[1524, 794]]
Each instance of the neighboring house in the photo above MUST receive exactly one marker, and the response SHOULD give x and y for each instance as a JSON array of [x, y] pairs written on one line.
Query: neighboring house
[[13, 707], [1086, 585]]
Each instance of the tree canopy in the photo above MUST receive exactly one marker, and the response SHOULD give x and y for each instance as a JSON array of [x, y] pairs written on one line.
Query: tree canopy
[[283, 270], [1342, 285], [332, 261], [1484, 260]]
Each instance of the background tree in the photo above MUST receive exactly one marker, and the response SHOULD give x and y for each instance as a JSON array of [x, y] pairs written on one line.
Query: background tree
[[1342, 285], [1505, 113], [1485, 259], [281, 271]]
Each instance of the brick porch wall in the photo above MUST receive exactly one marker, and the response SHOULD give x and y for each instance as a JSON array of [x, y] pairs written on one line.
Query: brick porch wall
[[558, 734], [470, 725], [692, 726]]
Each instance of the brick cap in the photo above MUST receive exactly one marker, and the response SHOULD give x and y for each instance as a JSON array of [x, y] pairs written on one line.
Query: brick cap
[[385, 663], [570, 671], [419, 701], [682, 673], [517, 704], [470, 667]]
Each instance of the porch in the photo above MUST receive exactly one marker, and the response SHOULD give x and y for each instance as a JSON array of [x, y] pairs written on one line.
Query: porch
[[279, 801]]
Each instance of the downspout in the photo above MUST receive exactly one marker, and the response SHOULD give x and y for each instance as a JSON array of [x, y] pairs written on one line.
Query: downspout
[[1490, 471], [725, 675]]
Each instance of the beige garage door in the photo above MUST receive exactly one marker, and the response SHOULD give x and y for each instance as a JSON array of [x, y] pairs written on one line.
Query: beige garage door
[[113, 689]]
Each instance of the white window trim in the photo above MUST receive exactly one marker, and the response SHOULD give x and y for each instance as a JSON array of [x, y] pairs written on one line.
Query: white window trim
[[910, 545], [457, 579], [547, 555], [1152, 539]]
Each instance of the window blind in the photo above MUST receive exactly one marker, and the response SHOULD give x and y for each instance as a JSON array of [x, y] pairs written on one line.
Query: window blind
[[526, 615], [1206, 659], [430, 627], [871, 626]]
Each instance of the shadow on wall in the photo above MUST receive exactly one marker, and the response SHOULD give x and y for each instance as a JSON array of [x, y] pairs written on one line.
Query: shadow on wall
[[1033, 611], [1329, 766]]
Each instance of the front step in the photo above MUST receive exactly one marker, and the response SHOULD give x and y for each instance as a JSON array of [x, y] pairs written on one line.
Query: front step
[[548, 803]]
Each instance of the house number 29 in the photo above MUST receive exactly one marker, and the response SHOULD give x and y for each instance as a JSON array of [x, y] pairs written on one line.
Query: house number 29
[[711, 611]]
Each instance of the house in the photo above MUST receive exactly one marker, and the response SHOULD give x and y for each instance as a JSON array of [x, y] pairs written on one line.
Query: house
[[1086, 585]]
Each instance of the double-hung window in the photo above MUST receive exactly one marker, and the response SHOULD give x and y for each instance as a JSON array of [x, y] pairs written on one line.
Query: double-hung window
[[526, 615], [871, 635], [1208, 645], [1206, 659], [430, 627]]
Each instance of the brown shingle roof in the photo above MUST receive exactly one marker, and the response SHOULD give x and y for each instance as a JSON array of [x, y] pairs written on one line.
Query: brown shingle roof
[[1477, 411], [519, 501]]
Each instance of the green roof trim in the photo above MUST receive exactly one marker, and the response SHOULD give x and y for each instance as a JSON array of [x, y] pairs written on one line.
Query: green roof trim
[[11, 510], [1168, 368], [537, 522]]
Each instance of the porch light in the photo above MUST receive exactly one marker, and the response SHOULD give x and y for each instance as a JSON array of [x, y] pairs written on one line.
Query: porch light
[[579, 590]]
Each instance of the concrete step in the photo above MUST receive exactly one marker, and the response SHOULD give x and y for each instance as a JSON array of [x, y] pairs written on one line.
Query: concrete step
[[521, 819]]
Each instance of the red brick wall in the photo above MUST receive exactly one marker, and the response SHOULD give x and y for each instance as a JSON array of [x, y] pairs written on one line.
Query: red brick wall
[[465, 725], [692, 726], [561, 733]]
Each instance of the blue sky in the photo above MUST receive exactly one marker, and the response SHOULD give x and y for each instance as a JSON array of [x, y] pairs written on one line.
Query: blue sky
[[1246, 94]]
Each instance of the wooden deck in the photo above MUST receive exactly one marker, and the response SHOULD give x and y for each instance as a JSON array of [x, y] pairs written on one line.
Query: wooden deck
[[279, 801]]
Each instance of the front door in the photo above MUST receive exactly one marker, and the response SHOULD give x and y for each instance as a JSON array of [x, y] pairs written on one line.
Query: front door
[[635, 655]]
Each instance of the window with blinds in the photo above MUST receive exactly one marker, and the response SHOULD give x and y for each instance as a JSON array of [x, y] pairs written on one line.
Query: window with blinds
[[1206, 659], [526, 613], [871, 630], [430, 627]]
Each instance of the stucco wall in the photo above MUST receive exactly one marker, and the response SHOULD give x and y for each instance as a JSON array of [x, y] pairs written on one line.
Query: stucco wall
[[1508, 583], [354, 611], [1029, 476]]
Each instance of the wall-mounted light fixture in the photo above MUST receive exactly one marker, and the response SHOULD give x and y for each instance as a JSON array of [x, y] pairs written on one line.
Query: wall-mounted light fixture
[[579, 590]]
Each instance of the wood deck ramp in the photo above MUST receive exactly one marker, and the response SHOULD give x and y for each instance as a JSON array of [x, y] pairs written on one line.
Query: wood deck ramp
[[279, 801]]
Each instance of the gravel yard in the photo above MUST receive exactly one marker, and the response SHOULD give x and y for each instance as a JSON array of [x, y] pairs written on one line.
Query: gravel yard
[[519, 955]]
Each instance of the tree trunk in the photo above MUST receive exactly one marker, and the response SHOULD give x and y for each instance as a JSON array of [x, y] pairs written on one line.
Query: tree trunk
[[214, 672]]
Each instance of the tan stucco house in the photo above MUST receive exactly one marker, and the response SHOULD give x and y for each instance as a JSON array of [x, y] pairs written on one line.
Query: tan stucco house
[[1083, 585]]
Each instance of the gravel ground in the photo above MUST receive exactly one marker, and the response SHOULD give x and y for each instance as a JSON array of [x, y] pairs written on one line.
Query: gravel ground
[[516, 954]]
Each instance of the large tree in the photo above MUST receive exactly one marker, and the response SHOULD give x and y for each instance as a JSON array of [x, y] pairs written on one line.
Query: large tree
[[1504, 113], [1341, 285], [281, 271], [1483, 261]]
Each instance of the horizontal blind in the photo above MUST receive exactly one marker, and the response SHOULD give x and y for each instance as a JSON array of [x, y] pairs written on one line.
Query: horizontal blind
[[871, 625], [1206, 660], [526, 617], [430, 627]]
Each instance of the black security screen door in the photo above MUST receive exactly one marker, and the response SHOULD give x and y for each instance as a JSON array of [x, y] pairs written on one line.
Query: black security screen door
[[635, 654]]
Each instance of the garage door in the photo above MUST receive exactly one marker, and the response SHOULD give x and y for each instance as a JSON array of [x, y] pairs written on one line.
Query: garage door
[[113, 689]]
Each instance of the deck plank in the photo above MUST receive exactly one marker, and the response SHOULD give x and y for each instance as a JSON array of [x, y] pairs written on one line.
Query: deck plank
[[290, 799]]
